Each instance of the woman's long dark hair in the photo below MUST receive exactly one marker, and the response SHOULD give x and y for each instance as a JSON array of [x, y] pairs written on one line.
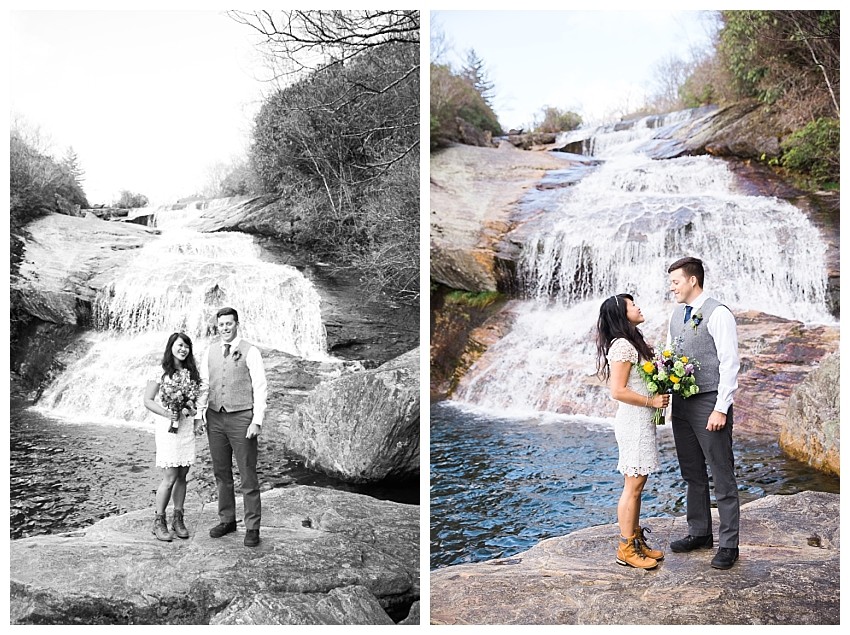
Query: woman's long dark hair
[[168, 363], [613, 324]]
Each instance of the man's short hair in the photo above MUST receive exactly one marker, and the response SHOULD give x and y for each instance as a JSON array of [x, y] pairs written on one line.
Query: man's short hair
[[691, 267], [227, 311]]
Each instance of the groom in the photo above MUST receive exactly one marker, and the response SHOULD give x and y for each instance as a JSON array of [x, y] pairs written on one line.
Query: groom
[[233, 371], [704, 330]]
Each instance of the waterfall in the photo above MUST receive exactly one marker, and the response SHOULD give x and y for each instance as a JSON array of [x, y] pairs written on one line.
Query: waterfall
[[617, 230], [176, 283]]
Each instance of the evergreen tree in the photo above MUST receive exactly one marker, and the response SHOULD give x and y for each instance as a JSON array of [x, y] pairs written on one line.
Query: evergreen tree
[[475, 73], [71, 164]]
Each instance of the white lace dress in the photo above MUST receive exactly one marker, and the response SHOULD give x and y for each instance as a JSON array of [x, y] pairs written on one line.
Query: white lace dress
[[173, 450], [633, 425]]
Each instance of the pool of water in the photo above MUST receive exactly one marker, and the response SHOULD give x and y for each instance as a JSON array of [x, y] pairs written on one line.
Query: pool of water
[[501, 485], [68, 475]]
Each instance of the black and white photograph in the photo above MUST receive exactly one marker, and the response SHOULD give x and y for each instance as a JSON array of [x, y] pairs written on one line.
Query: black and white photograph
[[229, 404], [215, 317]]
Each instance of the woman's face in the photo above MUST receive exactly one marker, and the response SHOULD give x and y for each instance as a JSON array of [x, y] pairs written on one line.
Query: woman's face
[[180, 349], [633, 313]]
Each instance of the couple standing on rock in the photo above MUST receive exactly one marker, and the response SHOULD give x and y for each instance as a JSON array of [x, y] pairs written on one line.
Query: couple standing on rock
[[231, 401], [702, 423]]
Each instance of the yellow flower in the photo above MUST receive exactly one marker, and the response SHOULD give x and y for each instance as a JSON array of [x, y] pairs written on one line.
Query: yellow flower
[[683, 359], [674, 379], [666, 353], [648, 367]]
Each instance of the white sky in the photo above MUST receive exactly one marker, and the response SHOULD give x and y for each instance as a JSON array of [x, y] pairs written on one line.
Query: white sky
[[591, 62], [147, 99]]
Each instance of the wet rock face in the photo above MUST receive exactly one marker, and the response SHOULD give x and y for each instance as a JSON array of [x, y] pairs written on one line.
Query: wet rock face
[[68, 259], [788, 573], [473, 193], [325, 557], [811, 432]]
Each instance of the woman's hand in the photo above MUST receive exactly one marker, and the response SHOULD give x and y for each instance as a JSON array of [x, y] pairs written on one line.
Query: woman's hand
[[659, 401]]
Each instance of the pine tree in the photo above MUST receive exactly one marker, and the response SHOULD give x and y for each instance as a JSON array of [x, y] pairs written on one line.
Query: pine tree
[[71, 164], [476, 74]]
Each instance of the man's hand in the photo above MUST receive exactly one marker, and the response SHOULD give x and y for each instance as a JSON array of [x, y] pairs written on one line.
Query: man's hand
[[200, 427], [716, 421], [253, 431]]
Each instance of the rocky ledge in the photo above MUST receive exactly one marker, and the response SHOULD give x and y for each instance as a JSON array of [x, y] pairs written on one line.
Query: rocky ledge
[[788, 573], [473, 193], [326, 557]]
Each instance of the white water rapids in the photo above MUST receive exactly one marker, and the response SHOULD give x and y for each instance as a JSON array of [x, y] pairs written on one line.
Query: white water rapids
[[176, 283], [617, 230]]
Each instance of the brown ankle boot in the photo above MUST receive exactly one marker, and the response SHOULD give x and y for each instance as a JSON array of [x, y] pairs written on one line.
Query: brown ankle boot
[[178, 526], [655, 554], [160, 529], [629, 554]]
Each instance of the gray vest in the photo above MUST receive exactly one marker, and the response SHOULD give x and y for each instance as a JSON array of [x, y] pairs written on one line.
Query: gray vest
[[697, 343], [230, 381]]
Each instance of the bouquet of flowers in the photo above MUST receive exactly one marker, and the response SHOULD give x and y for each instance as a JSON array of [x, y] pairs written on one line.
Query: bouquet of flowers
[[178, 394], [670, 374]]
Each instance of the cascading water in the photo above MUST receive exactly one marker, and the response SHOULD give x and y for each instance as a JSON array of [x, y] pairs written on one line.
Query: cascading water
[[176, 283], [618, 230]]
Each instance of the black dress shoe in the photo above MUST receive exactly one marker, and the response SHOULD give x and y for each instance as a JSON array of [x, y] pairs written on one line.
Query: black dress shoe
[[689, 543], [252, 537], [223, 528], [725, 558]]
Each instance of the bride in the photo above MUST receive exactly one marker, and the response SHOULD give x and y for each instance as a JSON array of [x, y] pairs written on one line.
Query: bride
[[175, 453], [619, 347]]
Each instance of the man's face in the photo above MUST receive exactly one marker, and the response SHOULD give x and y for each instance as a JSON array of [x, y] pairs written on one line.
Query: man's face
[[227, 327], [684, 287]]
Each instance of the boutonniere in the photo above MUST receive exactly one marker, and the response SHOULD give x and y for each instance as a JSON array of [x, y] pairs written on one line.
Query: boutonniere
[[696, 320], [237, 355]]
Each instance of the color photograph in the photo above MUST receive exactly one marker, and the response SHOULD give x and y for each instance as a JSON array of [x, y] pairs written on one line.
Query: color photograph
[[634, 262]]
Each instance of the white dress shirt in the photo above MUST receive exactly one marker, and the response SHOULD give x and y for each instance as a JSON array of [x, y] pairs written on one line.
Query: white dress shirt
[[254, 361], [721, 326]]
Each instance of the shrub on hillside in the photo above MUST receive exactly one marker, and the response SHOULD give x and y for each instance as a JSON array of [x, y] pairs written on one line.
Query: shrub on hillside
[[342, 146], [453, 96], [814, 150], [36, 182]]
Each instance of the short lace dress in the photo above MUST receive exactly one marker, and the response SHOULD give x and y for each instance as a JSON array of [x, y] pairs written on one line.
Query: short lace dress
[[633, 425], [173, 450]]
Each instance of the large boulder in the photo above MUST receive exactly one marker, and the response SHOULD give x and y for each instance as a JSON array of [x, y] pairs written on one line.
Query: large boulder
[[325, 557], [811, 431], [363, 426], [788, 573], [776, 357]]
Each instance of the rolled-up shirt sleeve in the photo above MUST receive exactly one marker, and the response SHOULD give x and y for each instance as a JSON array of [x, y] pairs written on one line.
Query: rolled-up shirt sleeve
[[254, 361], [722, 327], [204, 391]]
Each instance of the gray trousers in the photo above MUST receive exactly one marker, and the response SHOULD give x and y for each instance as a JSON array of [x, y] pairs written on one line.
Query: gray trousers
[[226, 434], [697, 448]]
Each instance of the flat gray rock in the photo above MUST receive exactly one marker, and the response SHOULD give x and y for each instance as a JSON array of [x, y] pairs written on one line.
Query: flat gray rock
[[788, 573], [325, 556]]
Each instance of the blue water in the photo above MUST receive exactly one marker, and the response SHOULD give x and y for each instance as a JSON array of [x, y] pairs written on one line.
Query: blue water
[[499, 485]]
